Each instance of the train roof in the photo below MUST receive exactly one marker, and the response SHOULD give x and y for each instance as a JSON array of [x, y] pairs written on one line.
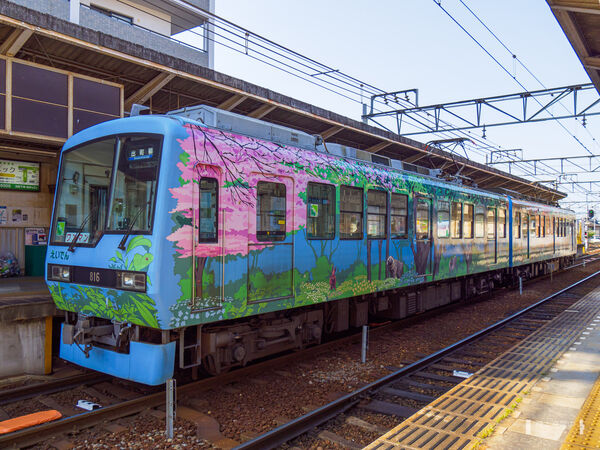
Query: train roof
[[210, 117]]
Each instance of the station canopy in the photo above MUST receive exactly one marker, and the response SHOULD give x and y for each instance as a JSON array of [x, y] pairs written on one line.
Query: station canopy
[[168, 83], [580, 20]]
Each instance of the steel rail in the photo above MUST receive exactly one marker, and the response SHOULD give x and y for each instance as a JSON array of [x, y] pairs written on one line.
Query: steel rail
[[305, 423], [50, 387]]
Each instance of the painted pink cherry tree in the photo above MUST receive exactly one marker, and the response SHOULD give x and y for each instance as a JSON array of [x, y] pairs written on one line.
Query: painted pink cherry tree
[[237, 162]]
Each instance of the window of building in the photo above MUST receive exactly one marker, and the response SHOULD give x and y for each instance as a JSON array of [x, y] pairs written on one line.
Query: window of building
[[115, 15], [376, 214], [501, 222], [422, 219], [517, 226], [270, 211], [479, 219], [320, 215], [491, 223], [469, 217], [443, 221], [399, 215], [351, 212], [456, 225], [208, 227]]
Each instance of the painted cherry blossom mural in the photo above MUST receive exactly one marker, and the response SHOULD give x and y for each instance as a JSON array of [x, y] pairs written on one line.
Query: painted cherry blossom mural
[[239, 162]]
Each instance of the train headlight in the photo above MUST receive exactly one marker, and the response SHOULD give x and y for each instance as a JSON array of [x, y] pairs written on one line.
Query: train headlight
[[132, 281], [59, 273]]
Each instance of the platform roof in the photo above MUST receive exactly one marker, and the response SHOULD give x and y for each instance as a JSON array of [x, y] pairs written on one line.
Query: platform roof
[[580, 20], [169, 83]]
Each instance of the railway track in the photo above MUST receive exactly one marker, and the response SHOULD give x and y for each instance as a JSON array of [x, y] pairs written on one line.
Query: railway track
[[408, 389], [20, 393], [131, 406]]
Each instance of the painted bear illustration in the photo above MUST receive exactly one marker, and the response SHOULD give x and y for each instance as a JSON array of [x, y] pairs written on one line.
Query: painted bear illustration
[[452, 264], [395, 267]]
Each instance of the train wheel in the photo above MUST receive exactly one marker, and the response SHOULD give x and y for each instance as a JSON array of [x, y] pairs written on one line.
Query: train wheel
[[213, 367]]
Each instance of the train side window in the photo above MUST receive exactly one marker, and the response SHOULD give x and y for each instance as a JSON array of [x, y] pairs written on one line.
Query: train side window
[[351, 212], [443, 221], [270, 211], [376, 214], [532, 226], [491, 223], [468, 225], [209, 204], [525, 226], [559, 227], [539, 226], [320, 222], [544, 227], [456, 220], [479, 222], [517, 226], [502, 223], [399, 215], [422, 219]]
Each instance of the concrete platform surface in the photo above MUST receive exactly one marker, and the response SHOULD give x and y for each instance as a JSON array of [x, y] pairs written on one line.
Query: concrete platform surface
[[12, 289], [545, 417], [23, 298], [530, 397]]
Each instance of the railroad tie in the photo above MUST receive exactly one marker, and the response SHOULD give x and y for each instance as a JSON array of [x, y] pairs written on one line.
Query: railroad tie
[[208, 428]]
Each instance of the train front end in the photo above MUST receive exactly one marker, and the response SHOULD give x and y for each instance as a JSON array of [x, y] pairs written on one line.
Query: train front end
[[101, 264]]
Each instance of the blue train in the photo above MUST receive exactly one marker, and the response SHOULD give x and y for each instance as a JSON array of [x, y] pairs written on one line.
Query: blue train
[[206, 239]]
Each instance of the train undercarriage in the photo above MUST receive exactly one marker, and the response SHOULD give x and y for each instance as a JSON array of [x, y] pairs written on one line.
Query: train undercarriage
[[218, 348]]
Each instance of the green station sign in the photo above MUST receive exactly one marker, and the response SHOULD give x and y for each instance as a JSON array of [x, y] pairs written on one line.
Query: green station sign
[[19, 175]]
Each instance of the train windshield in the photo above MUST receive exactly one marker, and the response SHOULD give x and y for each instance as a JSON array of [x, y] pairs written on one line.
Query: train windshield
[[107, 185]]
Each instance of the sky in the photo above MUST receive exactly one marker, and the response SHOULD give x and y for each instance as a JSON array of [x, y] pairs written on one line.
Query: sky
[[405, 44]]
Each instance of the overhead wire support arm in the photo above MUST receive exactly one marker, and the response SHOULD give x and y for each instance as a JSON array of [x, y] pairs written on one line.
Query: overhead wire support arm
[[497, 110]]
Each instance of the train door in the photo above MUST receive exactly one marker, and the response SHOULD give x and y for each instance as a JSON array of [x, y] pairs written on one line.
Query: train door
[[422, 249], [526, 229], [270, 241], [208, 269], [554, 235]]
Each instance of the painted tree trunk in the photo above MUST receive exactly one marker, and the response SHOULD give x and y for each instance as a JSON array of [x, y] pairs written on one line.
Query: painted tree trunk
[[200, 264], [369, 259]]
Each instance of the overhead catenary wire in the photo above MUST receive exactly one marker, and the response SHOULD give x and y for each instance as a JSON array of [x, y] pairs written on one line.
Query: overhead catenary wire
[[439, 4], [521, 63], [304, 68]]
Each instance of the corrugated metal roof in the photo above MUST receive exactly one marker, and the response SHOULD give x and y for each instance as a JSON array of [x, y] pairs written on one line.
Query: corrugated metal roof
[[580, 20]]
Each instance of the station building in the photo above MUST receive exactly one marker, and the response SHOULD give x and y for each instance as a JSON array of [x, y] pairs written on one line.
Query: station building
[[45, 98]]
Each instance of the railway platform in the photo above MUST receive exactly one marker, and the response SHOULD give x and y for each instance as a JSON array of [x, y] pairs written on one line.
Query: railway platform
[[26, 312], [542, 393]]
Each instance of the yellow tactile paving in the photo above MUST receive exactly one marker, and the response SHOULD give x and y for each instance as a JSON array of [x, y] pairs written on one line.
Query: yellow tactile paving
[[585, 432], [460, 418]]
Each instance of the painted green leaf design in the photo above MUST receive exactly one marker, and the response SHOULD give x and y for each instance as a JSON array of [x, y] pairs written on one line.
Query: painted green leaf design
[[145, 314], [138, 241], [140, 262]]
